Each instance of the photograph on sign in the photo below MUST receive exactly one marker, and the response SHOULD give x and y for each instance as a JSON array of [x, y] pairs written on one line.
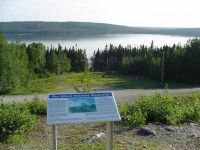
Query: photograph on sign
[[81, 105]]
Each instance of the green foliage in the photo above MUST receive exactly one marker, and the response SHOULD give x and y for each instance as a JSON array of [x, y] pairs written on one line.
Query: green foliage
[[63, 62], [57, 58], [14, 73], [14, 138], [78, 59], [51, 60], [161, 108], [15, 119], [37, 106], [174, 63], [192, 57], [133, 114], [192, 108], [59, 29], [36, 57], [85, 82], [136, 119]]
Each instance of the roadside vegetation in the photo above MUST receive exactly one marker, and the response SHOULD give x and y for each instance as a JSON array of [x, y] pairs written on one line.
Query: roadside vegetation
[[165, 109], [20, 121]]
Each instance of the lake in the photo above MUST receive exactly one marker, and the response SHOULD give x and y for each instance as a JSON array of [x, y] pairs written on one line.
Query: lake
[[95, 42]]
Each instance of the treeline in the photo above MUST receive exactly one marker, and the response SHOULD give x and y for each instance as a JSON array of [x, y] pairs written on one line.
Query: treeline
[[47, 29], [168, 63], [20, 63]]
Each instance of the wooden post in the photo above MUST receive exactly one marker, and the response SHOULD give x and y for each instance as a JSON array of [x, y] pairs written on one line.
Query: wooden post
[[109, 135], [58, 73], [54, 137], [163, 62]]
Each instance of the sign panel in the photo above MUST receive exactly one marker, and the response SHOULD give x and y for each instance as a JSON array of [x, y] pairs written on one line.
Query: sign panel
[[85, 107]]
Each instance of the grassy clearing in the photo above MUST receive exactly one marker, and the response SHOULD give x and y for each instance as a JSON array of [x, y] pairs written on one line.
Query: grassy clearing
[[48, 85]]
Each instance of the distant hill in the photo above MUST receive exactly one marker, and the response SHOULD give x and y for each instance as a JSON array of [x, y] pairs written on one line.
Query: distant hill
[[86, 28]]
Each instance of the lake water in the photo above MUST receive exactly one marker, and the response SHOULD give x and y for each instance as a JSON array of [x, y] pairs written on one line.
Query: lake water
[[93, 43]]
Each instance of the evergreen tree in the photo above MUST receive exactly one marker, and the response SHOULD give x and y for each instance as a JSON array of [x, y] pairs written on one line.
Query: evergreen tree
[[63, 62], [51, 60], [36, 57], [192, 61]]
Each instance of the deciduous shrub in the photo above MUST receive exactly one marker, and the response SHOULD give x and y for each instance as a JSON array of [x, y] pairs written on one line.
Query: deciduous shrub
[[37, 106], [161, 108], [192, 108], [15, 119]]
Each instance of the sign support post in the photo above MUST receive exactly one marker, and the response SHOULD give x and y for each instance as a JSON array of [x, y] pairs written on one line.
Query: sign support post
[[109, 135], [54, 137]]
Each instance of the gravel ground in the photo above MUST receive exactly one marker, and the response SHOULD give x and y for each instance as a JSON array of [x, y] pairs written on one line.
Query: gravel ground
[[184, 137], [181, 138], [121, 95]]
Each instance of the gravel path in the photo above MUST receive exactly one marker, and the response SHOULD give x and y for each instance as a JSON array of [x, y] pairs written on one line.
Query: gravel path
[[121, 95]]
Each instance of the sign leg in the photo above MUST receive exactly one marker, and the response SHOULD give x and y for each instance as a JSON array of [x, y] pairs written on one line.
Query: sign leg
[[109, 135], [54, 137]]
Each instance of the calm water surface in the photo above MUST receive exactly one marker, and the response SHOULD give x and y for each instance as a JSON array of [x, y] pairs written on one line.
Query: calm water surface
[[93, 43]]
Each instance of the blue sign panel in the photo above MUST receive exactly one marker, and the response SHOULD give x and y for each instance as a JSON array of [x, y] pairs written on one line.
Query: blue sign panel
[[84, 107]]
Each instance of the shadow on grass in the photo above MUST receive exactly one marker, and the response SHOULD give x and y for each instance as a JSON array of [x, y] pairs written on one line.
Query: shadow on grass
[[144, 83]]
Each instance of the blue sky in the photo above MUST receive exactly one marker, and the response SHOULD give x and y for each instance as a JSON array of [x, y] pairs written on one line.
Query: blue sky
[[157, 13]]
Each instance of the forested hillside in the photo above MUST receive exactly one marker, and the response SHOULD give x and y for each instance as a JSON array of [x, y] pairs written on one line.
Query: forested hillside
[[86, 28]]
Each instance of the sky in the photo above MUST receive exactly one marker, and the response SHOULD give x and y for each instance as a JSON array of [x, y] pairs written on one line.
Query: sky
[[144, 13]]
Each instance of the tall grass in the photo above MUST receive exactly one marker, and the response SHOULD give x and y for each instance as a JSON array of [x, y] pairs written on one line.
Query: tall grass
[[88, 80]]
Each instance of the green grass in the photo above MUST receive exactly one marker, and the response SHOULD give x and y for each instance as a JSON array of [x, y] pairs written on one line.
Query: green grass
[[47, 85]]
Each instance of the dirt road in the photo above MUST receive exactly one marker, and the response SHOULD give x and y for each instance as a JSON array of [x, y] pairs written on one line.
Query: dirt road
[[121, 95]]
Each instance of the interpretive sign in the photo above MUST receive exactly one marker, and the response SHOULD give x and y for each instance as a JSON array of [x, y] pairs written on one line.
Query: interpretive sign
[[85, 107]]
